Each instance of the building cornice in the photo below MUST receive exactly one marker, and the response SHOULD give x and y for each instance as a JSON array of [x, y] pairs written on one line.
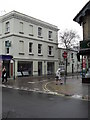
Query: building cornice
[[28, 37], [26, 18], [82, 13]]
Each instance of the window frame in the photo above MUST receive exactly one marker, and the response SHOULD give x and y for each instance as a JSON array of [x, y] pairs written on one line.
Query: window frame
[[39, 48], [31, 30], [50, 35], [40, 32], [30, 47], [7, 27]]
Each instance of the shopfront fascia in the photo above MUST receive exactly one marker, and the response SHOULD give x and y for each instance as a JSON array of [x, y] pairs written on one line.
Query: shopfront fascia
[[85, 52], [7, 61]]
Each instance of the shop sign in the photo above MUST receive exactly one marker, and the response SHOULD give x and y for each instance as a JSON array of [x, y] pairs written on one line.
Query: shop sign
[[7, 44], [84, 44]]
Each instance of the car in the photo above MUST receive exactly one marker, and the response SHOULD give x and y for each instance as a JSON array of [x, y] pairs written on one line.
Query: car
[[88, 74]]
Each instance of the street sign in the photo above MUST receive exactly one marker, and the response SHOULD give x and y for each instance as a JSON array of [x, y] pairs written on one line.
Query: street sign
[[84, 44], [65, 54]]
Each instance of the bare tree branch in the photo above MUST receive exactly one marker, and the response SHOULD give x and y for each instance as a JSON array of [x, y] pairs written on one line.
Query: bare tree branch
[[68, 38]]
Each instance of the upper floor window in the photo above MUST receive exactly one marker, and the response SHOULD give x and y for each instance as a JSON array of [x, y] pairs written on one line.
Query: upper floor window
[[7, 27], [50, 50], [21, 47], [31, 30], [50, 34], [71, 55], [30, 47], [21, 28], [39, 48], [7, 45], [39, 32]]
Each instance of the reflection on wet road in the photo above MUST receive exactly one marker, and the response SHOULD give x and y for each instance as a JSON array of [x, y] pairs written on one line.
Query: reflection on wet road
[[26, 104]]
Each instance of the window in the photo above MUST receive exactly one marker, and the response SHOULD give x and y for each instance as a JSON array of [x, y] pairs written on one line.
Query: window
[[50, 34], [7, 50], [39, 48], [39, 32], [21, 28], [30, 47], [71, 55], [7, 46], [7, 27], [31, 30], [21, 47], [50, 50]]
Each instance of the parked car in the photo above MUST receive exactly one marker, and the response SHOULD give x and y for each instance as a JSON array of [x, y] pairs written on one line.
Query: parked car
[[88, 74]]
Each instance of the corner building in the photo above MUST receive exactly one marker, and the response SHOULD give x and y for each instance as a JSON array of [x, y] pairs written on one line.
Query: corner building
[[29, 44]]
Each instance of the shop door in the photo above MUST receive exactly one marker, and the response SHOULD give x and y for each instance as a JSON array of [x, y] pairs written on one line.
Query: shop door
[[6, 63], [39, 68]]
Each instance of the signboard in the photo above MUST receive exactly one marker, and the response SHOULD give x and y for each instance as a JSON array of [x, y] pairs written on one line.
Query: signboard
[[84, 44], [7, 44]]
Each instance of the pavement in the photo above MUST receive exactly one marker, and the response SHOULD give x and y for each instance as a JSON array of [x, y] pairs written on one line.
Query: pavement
[[72, 87]]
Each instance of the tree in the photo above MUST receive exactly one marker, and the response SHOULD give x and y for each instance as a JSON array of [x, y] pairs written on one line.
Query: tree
[[68, 38]]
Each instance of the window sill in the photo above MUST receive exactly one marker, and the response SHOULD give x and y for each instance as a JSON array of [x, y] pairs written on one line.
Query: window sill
[[21, 53], [7, 32], [31, 35], [31, 54], [40, 55], [50, 55], [40, 37], [50, 39], [21, 32]]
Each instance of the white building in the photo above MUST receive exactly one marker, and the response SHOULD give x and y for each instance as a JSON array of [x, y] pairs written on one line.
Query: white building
[[73, 66], [31, 42]]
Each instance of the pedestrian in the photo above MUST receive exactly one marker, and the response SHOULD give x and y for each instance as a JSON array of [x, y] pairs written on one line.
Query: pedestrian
[[4, 74], [58, 76], [21, 70]]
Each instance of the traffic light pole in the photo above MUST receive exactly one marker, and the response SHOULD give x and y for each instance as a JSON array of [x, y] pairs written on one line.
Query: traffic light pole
[[65, 60]]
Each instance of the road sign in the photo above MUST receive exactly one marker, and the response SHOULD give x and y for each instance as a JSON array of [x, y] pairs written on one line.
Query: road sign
[[65, 54]]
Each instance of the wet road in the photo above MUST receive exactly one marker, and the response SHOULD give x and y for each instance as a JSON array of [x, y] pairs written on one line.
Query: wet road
[[26, 104]]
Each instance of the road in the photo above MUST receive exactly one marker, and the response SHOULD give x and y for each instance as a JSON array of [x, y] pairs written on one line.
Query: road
[[26, 104]]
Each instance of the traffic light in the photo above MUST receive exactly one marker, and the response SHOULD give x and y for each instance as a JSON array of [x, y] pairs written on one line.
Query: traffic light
[[78, 57]]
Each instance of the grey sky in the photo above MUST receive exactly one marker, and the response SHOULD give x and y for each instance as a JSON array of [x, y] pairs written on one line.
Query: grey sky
[[57, 12]]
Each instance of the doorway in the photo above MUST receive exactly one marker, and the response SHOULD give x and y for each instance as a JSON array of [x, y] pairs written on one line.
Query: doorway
[[39, 68]]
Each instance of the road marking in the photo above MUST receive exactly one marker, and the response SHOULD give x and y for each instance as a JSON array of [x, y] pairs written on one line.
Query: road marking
[[31, 82], [36, 82]]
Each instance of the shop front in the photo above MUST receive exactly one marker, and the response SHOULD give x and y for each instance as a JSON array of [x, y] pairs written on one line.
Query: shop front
[[25, 67], [85, 52], [5, 60]]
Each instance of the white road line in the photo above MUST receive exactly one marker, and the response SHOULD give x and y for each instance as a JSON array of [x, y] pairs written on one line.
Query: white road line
[[37, 81]]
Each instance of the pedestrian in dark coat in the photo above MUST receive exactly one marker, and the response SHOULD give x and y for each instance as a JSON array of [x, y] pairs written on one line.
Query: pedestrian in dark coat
[[4, 74]]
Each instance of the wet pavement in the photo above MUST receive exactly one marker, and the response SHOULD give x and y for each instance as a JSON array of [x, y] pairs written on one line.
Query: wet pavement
[[73, 87], [28, 104]]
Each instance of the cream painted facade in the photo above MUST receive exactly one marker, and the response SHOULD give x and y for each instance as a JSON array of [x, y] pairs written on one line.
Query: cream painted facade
[[73, 66], [32, 43]]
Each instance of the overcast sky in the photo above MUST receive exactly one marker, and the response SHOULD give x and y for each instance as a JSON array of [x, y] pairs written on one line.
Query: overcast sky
[[56, 12]]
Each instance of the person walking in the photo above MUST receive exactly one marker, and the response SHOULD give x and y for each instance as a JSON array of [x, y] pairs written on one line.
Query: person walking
[[58, 76], [4, 74]]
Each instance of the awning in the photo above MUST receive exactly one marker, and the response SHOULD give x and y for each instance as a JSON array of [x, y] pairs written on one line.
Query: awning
[[6, 57]]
